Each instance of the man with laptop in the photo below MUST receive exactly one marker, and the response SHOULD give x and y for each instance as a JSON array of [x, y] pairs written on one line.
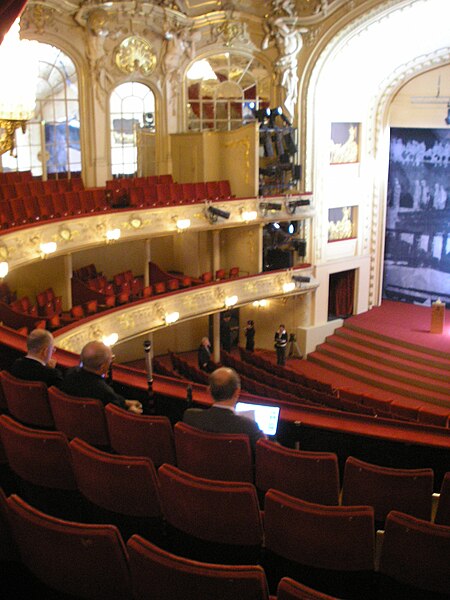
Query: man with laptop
[[223, 416]]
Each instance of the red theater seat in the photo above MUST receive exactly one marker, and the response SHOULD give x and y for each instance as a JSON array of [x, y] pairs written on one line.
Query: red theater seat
[[27, 401]]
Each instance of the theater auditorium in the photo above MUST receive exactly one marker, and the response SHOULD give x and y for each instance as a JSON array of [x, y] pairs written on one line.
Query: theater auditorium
[[172, 170]]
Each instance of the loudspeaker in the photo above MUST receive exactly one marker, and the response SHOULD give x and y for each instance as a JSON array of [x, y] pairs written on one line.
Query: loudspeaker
[[297, 172]]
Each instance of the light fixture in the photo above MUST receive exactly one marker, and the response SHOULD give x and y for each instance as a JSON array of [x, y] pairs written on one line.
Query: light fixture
[[182, 223], [262, 114], [265, 207], [47, 248], [288, 287], [260, 303], [111, 339], [212, 213], [249, 215], [112, 234], [65, 234], [171, 317], [19, 73], [292, 205], [4, 268], [301, 278], [230, 301], [135, 222]]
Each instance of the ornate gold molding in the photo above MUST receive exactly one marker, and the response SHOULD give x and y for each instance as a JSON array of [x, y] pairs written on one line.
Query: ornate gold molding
[[135, 55]]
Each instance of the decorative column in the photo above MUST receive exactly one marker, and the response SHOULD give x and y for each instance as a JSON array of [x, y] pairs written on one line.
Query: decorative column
[[147, 259], [68, 272]]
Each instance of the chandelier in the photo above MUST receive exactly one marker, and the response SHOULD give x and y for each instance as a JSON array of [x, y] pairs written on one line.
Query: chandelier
[[18, 77]]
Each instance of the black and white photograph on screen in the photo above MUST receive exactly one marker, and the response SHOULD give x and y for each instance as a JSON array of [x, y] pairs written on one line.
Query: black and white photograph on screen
[[417, 250]]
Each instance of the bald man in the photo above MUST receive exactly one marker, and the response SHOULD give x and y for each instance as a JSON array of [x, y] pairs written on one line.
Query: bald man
[[38, 364], [88, 380], [224, 387]]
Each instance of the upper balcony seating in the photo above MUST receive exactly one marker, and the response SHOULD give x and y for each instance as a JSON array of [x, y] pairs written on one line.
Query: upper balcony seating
[[386, 489], [76, 559], [156, 573]]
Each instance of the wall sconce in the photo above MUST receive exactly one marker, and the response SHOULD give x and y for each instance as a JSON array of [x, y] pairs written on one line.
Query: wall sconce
[[292, 205], [265, 207], [182, 223], [248, 215], [212, 214], [65, 234], [288, 287], [111, 339], [135, 222], [4, 268], [171, 317], [47, 248], [230, 301], [112, 235], [260, 303]]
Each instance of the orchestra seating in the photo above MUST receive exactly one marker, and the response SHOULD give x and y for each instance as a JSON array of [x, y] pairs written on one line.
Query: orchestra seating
[[27, 401]]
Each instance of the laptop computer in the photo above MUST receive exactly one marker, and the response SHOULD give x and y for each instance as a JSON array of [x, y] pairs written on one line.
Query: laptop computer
[[266, 416]]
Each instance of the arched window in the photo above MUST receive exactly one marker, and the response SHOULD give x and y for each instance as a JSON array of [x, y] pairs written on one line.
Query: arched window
[[132, 114], [55, 129], [221, 90]]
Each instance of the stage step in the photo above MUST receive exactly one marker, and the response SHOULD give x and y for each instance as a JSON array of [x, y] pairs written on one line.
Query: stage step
[[392, 347], [390, 356], [369, 374]]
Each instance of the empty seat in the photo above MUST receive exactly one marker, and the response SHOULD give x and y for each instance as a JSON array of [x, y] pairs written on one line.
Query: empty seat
[[140, 435], [213, 455], [415, 554], [386, 489], [289, 589], [86, 561], [79, 417], [27, 401], [330, 548], [42, 461], [221, 519], [125, 488], [159, 575], [311, 476]]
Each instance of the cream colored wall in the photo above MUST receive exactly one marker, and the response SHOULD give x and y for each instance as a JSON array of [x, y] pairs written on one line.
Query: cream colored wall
[[28, 281], [240, 248], [114, 258]]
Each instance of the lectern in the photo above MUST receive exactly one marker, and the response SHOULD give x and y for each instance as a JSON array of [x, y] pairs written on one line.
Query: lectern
[[437, 316]]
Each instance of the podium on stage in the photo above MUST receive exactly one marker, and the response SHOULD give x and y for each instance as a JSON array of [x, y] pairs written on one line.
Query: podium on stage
[[437, 316]]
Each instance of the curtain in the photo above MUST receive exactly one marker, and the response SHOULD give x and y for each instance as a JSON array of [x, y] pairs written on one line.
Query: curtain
[[9, 11], [341, 291]]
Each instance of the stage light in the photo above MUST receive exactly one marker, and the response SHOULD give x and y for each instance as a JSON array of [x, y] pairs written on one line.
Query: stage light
[[230, 301], [183, 224], [292, 205], [4, 268], [265, 207], [288, 287], [110, 340], [276, 225], [171, 317], [262, 114], [47, 248], [301, 278], [112, 235], [274, 113], [212, 214]]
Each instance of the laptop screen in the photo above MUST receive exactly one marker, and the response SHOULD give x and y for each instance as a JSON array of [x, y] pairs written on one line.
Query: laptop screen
[[265, 416]]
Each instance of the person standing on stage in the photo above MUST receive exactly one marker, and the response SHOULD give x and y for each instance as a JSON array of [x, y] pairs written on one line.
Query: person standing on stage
[[250, 336], [281, 340]]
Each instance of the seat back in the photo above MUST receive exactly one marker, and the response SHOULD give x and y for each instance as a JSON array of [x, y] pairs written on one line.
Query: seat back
[[27, 400], [79, 417], [215, 511], [86, 561], [443, 507], [158, 575], [37, 456], [339, 538], [311, 476], [140, 435], [416, 552], [406, 490], [289, 589], [126, 485], [222, 456]]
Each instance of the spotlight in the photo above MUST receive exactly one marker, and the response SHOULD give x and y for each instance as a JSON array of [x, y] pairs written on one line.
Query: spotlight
[[289, 143], [264, 207], [274, 113], [213, 213], [291, 205], [262, 114], [301, 279]]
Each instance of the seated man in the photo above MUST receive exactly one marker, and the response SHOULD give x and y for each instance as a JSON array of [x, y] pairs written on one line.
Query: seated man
[[224, 387], [38, 364], [88, 380]]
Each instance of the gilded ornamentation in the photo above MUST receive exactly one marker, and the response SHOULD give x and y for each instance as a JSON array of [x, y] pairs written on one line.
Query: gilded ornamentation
[[135, 54], [245, 144], [37, 16], [7, 130]]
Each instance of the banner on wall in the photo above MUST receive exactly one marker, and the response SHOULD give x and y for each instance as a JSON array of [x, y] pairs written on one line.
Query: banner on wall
[[417, 249]]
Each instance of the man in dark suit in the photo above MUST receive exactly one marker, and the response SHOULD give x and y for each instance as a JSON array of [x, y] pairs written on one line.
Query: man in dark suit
[[88, 380], [38, 364], [204, 355], [224, 387]]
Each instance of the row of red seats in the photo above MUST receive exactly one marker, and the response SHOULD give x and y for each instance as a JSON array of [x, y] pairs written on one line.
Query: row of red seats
[[38, 187], [131, 182], [168, 194], [288, 520]]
